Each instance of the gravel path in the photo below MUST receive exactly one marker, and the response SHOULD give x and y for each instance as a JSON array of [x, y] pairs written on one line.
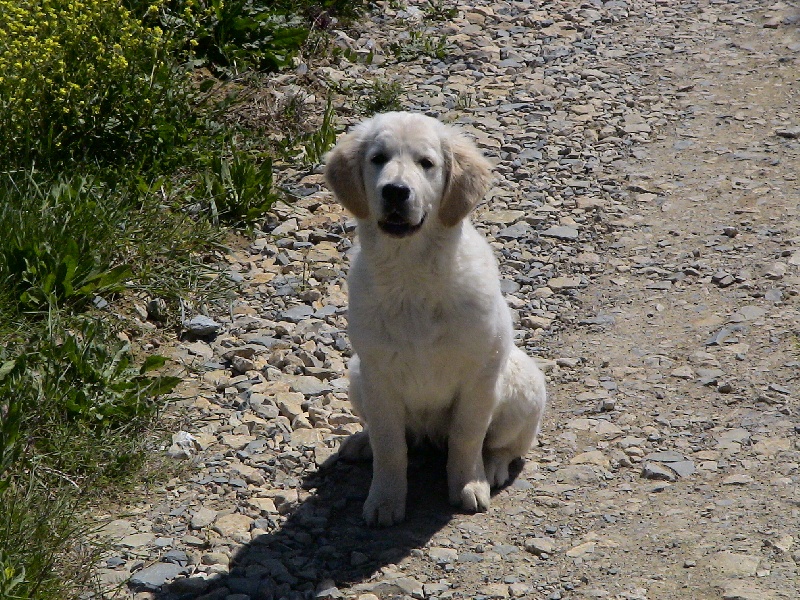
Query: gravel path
[[646, 219]]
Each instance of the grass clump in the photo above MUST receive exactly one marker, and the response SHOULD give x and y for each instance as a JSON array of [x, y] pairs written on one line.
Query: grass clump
[[76, 403], [54, 252], [381, 96], [420, 43], [74, 409]]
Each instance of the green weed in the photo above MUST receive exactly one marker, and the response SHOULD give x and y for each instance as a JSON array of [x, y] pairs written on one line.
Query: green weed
[[237, 188], [310, 147], [54, 250], [75, 407], [380, 96], [439, 10], [419, 43]]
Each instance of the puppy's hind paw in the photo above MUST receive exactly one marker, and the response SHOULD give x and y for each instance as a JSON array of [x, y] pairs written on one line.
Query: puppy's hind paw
[[356, 447], [497, 470], [473, 497]]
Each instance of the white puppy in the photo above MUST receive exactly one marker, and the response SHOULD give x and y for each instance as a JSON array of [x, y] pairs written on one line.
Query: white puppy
[[432, 333]]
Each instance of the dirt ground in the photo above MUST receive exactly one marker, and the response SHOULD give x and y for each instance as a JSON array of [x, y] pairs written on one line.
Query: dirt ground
[[669, 462]]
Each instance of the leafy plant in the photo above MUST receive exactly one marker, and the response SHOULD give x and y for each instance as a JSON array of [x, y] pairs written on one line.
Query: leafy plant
[[54, 251], [85, 79], [45, 275], [231, 36], [10, 425], [419, 43], [74, 407], [439, 10], [322, 139], [465, 100], [310, 147], [237, 188], [11, 577], [381, 96], [94, 382]]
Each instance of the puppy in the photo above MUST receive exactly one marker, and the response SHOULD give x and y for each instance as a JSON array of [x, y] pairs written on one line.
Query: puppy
[[432, 334]]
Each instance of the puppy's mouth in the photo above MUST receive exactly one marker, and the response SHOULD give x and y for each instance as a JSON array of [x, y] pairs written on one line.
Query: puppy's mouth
[[396, 226]]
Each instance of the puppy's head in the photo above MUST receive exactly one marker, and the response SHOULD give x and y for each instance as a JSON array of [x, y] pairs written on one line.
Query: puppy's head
[[403, 170]]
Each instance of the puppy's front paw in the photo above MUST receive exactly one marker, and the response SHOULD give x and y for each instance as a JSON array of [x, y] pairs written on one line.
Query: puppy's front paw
[[472, 497], [384, 507]]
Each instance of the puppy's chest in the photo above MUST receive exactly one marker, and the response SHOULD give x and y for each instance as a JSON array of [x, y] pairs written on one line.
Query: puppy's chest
[[417, 323]]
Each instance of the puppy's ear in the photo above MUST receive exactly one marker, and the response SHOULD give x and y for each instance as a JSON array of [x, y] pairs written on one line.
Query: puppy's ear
[[468, 177], [343, 174]]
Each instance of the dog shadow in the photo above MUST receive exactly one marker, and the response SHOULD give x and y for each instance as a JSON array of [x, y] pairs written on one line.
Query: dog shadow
[[325, 542]]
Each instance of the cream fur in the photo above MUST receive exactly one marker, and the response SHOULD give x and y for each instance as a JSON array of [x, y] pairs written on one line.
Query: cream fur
[[430, 328]]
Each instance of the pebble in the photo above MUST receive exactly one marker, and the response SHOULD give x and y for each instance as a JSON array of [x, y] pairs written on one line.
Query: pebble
[[153, 577], [540, 546], [202, 326]]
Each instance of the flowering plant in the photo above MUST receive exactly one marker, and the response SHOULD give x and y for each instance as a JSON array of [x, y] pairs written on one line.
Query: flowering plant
[[81, 78]]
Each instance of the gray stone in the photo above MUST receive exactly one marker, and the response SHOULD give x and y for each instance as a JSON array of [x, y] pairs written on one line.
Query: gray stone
[[137, 540], [654, 470], [117, 528], [309, 386], [297, 313], [203, 518], [202, 326], [540, 545], [515, 231], [561, 232], [442, 556], [734, 564], [152, 578]]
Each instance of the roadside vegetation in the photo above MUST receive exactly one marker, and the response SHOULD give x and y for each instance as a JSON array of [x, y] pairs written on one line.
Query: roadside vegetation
[[121, 168]]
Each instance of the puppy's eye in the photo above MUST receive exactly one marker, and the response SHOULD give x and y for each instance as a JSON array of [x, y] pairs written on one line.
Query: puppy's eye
[[379, 159], [426, 163]]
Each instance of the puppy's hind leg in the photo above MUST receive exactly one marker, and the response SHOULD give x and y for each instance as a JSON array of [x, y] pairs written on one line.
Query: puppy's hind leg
[[356, 447], [466, 477], [516, 421]]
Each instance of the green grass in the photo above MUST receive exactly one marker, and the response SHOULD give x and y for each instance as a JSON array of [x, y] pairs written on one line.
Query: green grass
[[120, 173], [419, 43], [381, 96]]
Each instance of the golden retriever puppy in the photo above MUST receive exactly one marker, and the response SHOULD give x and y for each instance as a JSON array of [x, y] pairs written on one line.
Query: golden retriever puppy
[[432, 334]]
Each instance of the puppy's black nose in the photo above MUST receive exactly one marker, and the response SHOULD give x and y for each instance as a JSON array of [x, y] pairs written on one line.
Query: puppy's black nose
[[395, 195]]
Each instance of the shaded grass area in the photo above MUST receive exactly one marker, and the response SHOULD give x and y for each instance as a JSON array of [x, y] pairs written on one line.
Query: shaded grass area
[[119, 175]]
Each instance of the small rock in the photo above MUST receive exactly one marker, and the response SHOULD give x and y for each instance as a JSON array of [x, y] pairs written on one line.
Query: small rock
[[137, 540], [562, 283], [515, 231], [442, 556], [561, 232], [234, 527], [737, 479], [654, 470], [582, 550], [202, 326], [203, 518], [152, 578], [540, 545], [791, 133]]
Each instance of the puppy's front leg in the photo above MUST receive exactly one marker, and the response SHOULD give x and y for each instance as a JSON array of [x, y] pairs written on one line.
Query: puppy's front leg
[[386, 502], [465, 472]]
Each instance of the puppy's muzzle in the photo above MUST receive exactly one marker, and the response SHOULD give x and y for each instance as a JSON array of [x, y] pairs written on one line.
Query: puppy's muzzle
[[396, 209]]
